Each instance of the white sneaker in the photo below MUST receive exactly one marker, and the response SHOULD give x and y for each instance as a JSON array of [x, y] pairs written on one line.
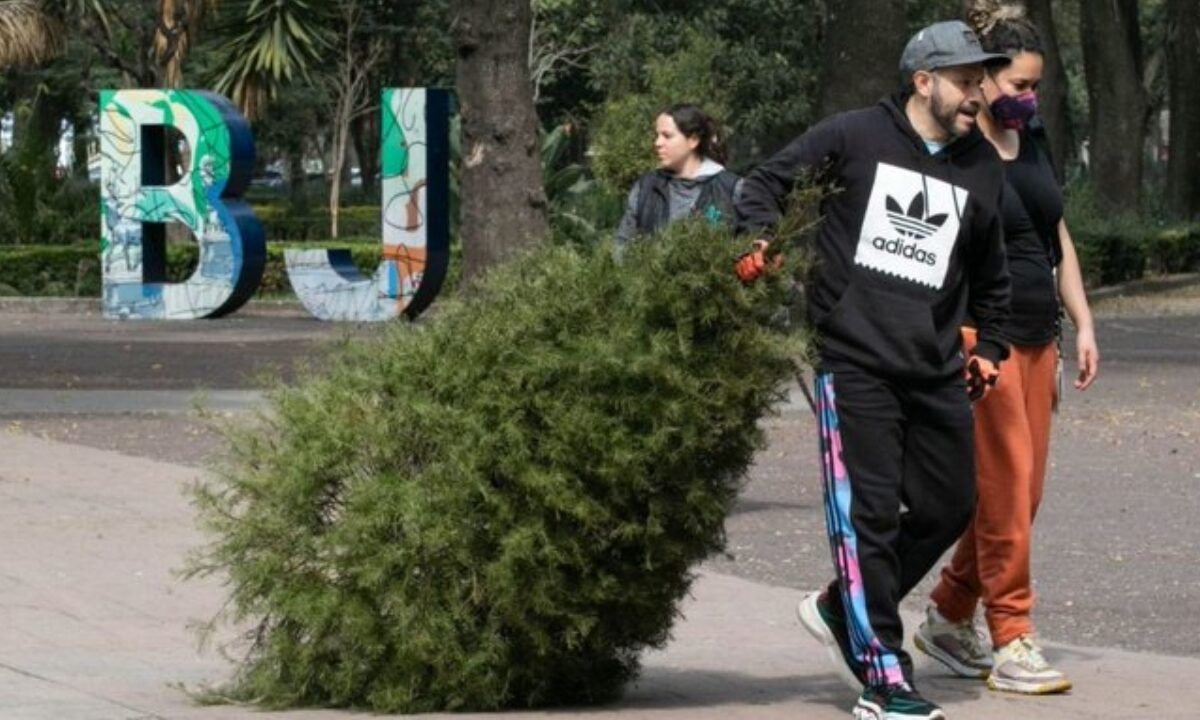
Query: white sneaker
[[960, 646], [830, 630], [1020, 667]]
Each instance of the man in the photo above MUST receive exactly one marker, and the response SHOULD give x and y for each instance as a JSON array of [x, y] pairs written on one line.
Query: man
[[909, 246]]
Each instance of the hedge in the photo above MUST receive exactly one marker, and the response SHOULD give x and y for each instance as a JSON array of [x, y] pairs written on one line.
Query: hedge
[[74, 218], [282, 223], [74, 270], [1108, 255], [1127, 251]]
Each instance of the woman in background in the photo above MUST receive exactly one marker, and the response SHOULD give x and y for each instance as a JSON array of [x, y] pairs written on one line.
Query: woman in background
[[690, 179]]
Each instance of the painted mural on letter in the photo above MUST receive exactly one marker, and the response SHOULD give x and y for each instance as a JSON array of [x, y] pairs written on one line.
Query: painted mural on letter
[[218, 163], [415, 182]]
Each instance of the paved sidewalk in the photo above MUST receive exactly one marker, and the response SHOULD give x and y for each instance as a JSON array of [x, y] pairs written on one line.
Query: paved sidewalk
[[93, 623], [37, 401]]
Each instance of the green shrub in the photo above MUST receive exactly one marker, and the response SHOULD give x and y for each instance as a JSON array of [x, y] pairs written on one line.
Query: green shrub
[[74, 270], [1114, 249], [1124, 251], [1109, 255], [588, 218], [38, 208], [26, 178], [38, 270], [501, 506], [70, 214], [1174, 250], [282, 223]]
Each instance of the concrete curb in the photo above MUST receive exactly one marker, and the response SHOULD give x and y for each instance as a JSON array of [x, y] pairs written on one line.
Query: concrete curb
[[24, 402], [91, 306], [1147, 286]]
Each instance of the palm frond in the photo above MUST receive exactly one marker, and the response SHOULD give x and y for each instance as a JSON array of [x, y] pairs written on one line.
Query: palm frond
[[28, 35], [83, 10], [269, 44]]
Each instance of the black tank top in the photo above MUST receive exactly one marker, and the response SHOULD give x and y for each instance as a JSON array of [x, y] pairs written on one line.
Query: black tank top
[[1032, 207]]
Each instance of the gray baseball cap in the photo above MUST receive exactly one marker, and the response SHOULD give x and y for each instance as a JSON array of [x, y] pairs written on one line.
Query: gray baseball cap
[[945, 44]]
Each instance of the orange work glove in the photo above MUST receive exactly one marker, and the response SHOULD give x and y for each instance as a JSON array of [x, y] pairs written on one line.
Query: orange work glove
[[752, 265], [981, 377]]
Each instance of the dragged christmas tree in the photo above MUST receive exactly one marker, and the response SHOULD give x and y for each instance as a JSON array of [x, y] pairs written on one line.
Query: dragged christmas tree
[[504, 505]]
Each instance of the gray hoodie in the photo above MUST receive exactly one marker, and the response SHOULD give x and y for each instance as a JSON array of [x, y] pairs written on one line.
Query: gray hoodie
[[684, 192]]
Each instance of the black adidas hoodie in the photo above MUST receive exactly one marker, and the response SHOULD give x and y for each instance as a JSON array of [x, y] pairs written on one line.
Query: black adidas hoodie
[[910, 244]]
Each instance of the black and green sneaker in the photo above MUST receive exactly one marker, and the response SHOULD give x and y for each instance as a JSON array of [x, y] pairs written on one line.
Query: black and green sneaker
[[895, 702], [824, 620]]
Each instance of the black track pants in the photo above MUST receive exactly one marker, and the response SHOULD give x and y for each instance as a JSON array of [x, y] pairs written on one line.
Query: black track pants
[[899, 478]]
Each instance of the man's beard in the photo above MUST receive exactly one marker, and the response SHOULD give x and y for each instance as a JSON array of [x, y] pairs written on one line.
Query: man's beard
[[943, 115]]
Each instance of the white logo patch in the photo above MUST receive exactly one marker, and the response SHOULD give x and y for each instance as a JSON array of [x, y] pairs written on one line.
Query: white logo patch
[[911, 224]]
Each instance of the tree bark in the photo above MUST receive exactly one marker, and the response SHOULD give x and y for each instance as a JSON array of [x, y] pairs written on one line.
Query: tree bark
[[860, 53], [172, 38], [1183, 64], [503, 205], [81, 130], [341, 127], [364, 133], [1053, 93], [1112, 59]]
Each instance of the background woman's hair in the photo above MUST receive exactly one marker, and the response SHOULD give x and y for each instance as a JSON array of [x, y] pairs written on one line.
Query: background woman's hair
[[1002, 27], [694, 122]]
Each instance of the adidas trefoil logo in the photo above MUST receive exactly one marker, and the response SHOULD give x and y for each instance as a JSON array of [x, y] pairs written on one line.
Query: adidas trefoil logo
[[914, 223]]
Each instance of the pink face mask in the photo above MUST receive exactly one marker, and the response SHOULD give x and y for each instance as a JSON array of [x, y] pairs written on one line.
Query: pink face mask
[[1015, 111]]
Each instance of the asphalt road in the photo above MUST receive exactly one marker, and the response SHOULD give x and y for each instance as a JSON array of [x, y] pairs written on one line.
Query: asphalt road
[[86, 351], [1116, 541], [1116, 546]]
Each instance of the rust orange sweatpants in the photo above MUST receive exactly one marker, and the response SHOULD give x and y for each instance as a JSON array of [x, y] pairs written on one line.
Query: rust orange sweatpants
[[1012, 438]]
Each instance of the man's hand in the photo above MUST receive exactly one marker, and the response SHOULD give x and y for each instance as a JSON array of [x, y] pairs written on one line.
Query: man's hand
[[752, 265], [982, 375]]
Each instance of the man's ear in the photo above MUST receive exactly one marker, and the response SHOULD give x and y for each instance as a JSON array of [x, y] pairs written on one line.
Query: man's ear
[[922, 81]]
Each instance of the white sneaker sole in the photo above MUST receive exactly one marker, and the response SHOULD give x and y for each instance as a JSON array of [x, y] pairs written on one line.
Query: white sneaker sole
[[956, 666], [810, 618], [867, 711], [870, 711], [1025, 687]]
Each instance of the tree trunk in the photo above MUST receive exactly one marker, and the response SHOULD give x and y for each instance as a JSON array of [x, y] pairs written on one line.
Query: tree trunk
[[364, 132], [503, 201], [170, 42], [1183, 64], [855, 73], [1054, 108], [1112, 59], [81, 129], [32, 163], [357, 58], [297, 175], [341, 129]]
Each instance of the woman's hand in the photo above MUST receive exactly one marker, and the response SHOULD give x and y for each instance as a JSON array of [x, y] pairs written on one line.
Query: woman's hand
[[1088, 356]]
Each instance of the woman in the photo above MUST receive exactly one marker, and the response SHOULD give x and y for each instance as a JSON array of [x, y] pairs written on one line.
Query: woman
[[689, 180], [1012, 423]]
